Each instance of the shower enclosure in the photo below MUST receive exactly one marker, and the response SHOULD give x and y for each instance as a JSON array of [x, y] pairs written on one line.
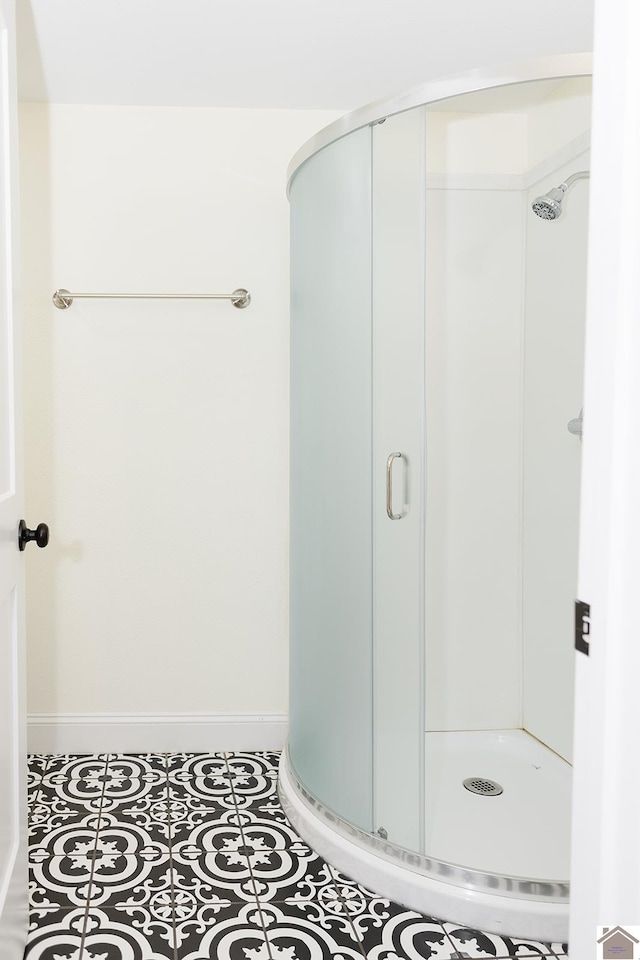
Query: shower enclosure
[[436, 352]]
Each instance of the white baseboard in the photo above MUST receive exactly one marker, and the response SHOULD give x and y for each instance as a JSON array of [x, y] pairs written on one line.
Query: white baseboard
[[154, 732]]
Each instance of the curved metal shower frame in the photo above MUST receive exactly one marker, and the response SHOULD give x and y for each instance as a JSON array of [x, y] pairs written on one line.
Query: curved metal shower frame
[[560, 67]]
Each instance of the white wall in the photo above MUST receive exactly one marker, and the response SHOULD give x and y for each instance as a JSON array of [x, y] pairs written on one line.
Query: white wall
[[157, 432], [559, 119]]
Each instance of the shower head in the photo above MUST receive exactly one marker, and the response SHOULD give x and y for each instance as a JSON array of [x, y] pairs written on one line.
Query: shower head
[[549, 206]]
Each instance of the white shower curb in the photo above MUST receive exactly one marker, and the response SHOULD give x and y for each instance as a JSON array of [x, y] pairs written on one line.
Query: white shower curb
[[507, 916]]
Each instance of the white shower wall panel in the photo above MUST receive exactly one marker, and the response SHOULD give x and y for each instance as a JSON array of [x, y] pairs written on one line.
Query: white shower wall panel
[[474, 422], [475, 144], [562, 117], [554, 350]]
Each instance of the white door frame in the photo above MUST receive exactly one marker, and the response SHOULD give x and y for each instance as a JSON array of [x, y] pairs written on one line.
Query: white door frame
[[605, 870], [13, 745]]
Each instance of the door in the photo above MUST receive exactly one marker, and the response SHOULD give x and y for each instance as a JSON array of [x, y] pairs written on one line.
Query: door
[[13, 880], [357, 477], [605, 859], [398, 352]]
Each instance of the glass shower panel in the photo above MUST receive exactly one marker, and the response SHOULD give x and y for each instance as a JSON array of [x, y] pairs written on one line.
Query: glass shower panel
[[331, 500], [398, 471]]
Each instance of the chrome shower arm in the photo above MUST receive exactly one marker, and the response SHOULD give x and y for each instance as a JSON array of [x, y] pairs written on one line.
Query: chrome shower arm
[[580, 175]]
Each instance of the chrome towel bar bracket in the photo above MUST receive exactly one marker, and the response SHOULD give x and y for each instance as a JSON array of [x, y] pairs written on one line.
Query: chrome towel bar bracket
[[240, 298]]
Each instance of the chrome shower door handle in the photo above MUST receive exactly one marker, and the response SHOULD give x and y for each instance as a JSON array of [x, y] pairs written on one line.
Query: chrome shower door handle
[[390, 513]]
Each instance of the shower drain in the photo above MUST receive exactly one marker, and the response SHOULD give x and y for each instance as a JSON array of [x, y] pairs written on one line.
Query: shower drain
[[482, 786]]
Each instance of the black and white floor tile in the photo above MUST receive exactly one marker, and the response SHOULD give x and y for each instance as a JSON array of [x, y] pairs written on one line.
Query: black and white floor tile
[[190, 857]]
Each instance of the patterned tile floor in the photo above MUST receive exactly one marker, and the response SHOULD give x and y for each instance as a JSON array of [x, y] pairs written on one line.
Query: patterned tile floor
[[190, 857]]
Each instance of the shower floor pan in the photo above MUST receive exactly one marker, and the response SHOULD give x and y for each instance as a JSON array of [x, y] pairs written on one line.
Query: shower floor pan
[[476, 837], [524, 832]]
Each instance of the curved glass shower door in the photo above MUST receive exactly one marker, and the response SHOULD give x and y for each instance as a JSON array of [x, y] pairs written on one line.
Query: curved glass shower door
[[398, 476], [357, 426], [330, 742]]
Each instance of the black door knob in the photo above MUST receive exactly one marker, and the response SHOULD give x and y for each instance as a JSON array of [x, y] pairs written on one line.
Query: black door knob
[[40, 535]]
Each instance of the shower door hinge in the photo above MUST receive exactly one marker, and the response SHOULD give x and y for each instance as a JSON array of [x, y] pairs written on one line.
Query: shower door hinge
[[583, 626]]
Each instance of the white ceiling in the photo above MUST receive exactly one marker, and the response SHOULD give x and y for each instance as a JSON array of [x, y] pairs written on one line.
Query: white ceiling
[[334, 54]]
